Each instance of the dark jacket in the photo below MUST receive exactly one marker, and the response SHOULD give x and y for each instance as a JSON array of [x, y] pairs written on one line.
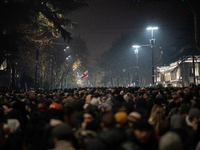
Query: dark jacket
[[108, 140], [134, 144]]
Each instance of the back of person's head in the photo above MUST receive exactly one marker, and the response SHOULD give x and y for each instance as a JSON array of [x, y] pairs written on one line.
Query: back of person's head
[[184, 109], [62, 132], [157, 114], [176, 97], [107, 108], [142, 125], [121, 117], [68, 110], [170, 141], [76, 94], [108, 120]]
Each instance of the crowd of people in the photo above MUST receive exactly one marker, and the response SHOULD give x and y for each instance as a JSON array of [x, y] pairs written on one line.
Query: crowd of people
[[100, 118]]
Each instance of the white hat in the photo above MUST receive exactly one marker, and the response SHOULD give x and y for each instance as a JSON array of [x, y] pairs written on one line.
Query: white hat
[[95, 102]]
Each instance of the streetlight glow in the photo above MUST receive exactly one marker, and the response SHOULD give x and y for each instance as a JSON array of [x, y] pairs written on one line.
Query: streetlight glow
[[136, 46], [68, 57], [152, 28]]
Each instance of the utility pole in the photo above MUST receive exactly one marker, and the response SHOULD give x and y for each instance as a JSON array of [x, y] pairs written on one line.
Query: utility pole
[[193, 69], [152, 43]]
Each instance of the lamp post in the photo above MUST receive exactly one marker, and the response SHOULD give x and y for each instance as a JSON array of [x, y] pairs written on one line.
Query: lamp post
[[68, 57], [136, 53], [152, 43]]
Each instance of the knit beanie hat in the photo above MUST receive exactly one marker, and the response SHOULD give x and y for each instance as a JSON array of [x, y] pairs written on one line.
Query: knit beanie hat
[[133, 116], [170, 141], [122, 93], [159, 96], [95, 102], [121, 117], [193, 112], [54, 105], [177, 121]]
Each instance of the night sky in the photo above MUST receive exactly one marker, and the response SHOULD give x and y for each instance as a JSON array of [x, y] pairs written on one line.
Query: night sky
[[105, 20]]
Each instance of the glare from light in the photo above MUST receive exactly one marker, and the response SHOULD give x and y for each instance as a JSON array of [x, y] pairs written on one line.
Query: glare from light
[[136, 46], [152, 28], [67, 47], [64, 49]]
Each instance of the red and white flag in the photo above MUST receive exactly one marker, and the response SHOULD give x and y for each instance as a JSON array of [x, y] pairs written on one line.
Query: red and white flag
[[84, 75]]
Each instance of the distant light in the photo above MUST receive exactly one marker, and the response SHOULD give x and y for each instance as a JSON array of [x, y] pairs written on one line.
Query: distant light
[[67, 47], [67, 58], [64, 49], [152, 28], [136, 46]]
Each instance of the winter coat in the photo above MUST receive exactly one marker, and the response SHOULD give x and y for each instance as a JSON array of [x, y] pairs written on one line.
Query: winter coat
[[108, 140], [134, 144], [63, 145]]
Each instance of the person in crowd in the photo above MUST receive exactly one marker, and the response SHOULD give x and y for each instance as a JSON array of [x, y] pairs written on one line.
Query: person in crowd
[[142, 138], [175, 103], [62, 136], [158, 120], [110, 137], [100, 118]]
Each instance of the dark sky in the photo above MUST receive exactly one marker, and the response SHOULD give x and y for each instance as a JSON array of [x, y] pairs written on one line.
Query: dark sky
[[105, 20]]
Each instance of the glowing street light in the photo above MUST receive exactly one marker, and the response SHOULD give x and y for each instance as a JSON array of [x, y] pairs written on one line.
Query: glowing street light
[[66, 48], [136, 48], [152, 39], [152, 43], [68, 57]]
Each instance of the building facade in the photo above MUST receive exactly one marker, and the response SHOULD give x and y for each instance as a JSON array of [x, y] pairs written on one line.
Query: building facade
[[179, 73]]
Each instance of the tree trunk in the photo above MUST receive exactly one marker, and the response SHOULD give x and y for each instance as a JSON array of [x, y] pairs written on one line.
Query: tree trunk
[[196, 21], [13, 76]]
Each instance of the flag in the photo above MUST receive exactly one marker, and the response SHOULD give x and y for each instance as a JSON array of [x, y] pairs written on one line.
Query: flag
[[84, 75]]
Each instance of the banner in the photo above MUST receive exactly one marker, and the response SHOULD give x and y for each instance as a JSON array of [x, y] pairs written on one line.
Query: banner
[[84, 75]]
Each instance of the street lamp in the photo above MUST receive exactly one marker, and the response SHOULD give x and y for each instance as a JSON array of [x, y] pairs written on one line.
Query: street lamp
[[152, 43], [136, 53], [68, 57], [66, 48]]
